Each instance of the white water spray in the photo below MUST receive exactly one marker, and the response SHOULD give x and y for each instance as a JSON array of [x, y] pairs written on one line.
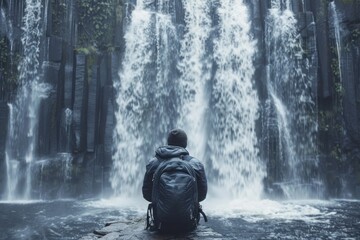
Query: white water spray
[[290, 92], [334, 18], [145, 96], [338, 66], [234, 159], [150, 104], [68, 122], [7, 25], [195, 67], [23, 121], [62, 162], [131, 105]]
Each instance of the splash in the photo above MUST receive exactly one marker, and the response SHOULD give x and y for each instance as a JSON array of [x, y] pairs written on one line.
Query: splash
[[234, 159], [312, 211], [291, 104], [146, 96], [213, 99], [195, 67], [23, 121]]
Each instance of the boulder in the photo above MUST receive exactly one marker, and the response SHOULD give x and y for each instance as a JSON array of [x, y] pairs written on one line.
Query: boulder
[[135, 229]]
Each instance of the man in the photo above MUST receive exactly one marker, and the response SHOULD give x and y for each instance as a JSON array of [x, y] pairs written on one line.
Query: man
[[168, 182]]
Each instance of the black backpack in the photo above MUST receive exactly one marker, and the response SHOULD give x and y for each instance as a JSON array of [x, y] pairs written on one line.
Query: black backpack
[[175, 206]]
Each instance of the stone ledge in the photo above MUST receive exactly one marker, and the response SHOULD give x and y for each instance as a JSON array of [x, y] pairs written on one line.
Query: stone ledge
[[135, 230]]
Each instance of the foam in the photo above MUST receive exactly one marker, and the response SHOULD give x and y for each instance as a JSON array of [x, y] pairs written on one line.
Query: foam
[[254, 211]]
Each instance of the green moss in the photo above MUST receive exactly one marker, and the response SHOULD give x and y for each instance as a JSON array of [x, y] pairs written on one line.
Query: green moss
[[336, 152], [335, 67], [339, 89], [90, 62], [324, 119], [8, 63], [352, 41], [355, 36], [96, 23], [3, 57], [87, 50], [58, 17]]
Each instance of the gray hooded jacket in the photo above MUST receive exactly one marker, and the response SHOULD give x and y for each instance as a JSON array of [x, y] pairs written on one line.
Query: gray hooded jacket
[[167, 152]]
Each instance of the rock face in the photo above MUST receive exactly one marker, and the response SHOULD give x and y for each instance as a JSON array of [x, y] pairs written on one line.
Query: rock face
[[78, 116], [135, 230], [80, 59], [3, 131], [338, 95]]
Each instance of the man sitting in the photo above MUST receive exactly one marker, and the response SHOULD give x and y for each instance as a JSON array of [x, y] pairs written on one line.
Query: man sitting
[[174, 183]]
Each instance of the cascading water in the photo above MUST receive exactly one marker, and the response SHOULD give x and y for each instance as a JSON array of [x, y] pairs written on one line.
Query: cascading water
[[195, 67], [7, 27], [234, 161], [23, 121], [338, 68], [209, 67], [334, 20], [48, 180], [146, 94], [150, 103], [66, 131], [294, 106]]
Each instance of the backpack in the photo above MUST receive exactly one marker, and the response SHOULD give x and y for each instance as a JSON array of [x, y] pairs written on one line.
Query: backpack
[[175, 206]]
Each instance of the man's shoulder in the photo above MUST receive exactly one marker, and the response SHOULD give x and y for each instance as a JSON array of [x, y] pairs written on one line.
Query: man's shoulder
[[195, 162], [152, 162], [194, 159], [153, 159]]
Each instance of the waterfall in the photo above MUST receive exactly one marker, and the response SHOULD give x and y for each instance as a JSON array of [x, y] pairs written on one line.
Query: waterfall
[[146, 94], [12, 166], [7, 27], [334, 20], [67, 122], [53, 176], [195, 67], [23, 121], [206, 88], [289, 89], [341, 86], [234, 158]]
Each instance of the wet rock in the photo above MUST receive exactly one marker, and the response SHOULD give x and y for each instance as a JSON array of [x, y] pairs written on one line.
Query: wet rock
[[111, 236], [135, 230], [55, 48], [116, 227], [90, 237]]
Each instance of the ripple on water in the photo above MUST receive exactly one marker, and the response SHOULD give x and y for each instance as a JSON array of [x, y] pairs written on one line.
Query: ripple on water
[[254, 211], [263, 219]]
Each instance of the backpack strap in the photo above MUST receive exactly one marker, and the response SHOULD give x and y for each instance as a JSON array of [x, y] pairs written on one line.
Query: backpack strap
[[150, 218], [188, 158], [202, 213]]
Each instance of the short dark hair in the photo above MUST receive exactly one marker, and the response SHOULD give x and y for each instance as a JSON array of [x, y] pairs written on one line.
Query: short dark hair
[[177, 137]]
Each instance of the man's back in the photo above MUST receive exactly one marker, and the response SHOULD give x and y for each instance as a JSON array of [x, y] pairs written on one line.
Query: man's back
[[174, 183], [165, 153]]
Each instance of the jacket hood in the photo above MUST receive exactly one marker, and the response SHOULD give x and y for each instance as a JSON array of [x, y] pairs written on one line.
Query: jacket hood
[[170, 151]]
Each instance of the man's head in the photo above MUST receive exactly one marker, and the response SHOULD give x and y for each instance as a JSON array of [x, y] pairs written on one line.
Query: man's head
[[177, 137]]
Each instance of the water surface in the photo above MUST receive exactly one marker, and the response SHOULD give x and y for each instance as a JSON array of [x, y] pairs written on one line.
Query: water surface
[[70, 219]]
